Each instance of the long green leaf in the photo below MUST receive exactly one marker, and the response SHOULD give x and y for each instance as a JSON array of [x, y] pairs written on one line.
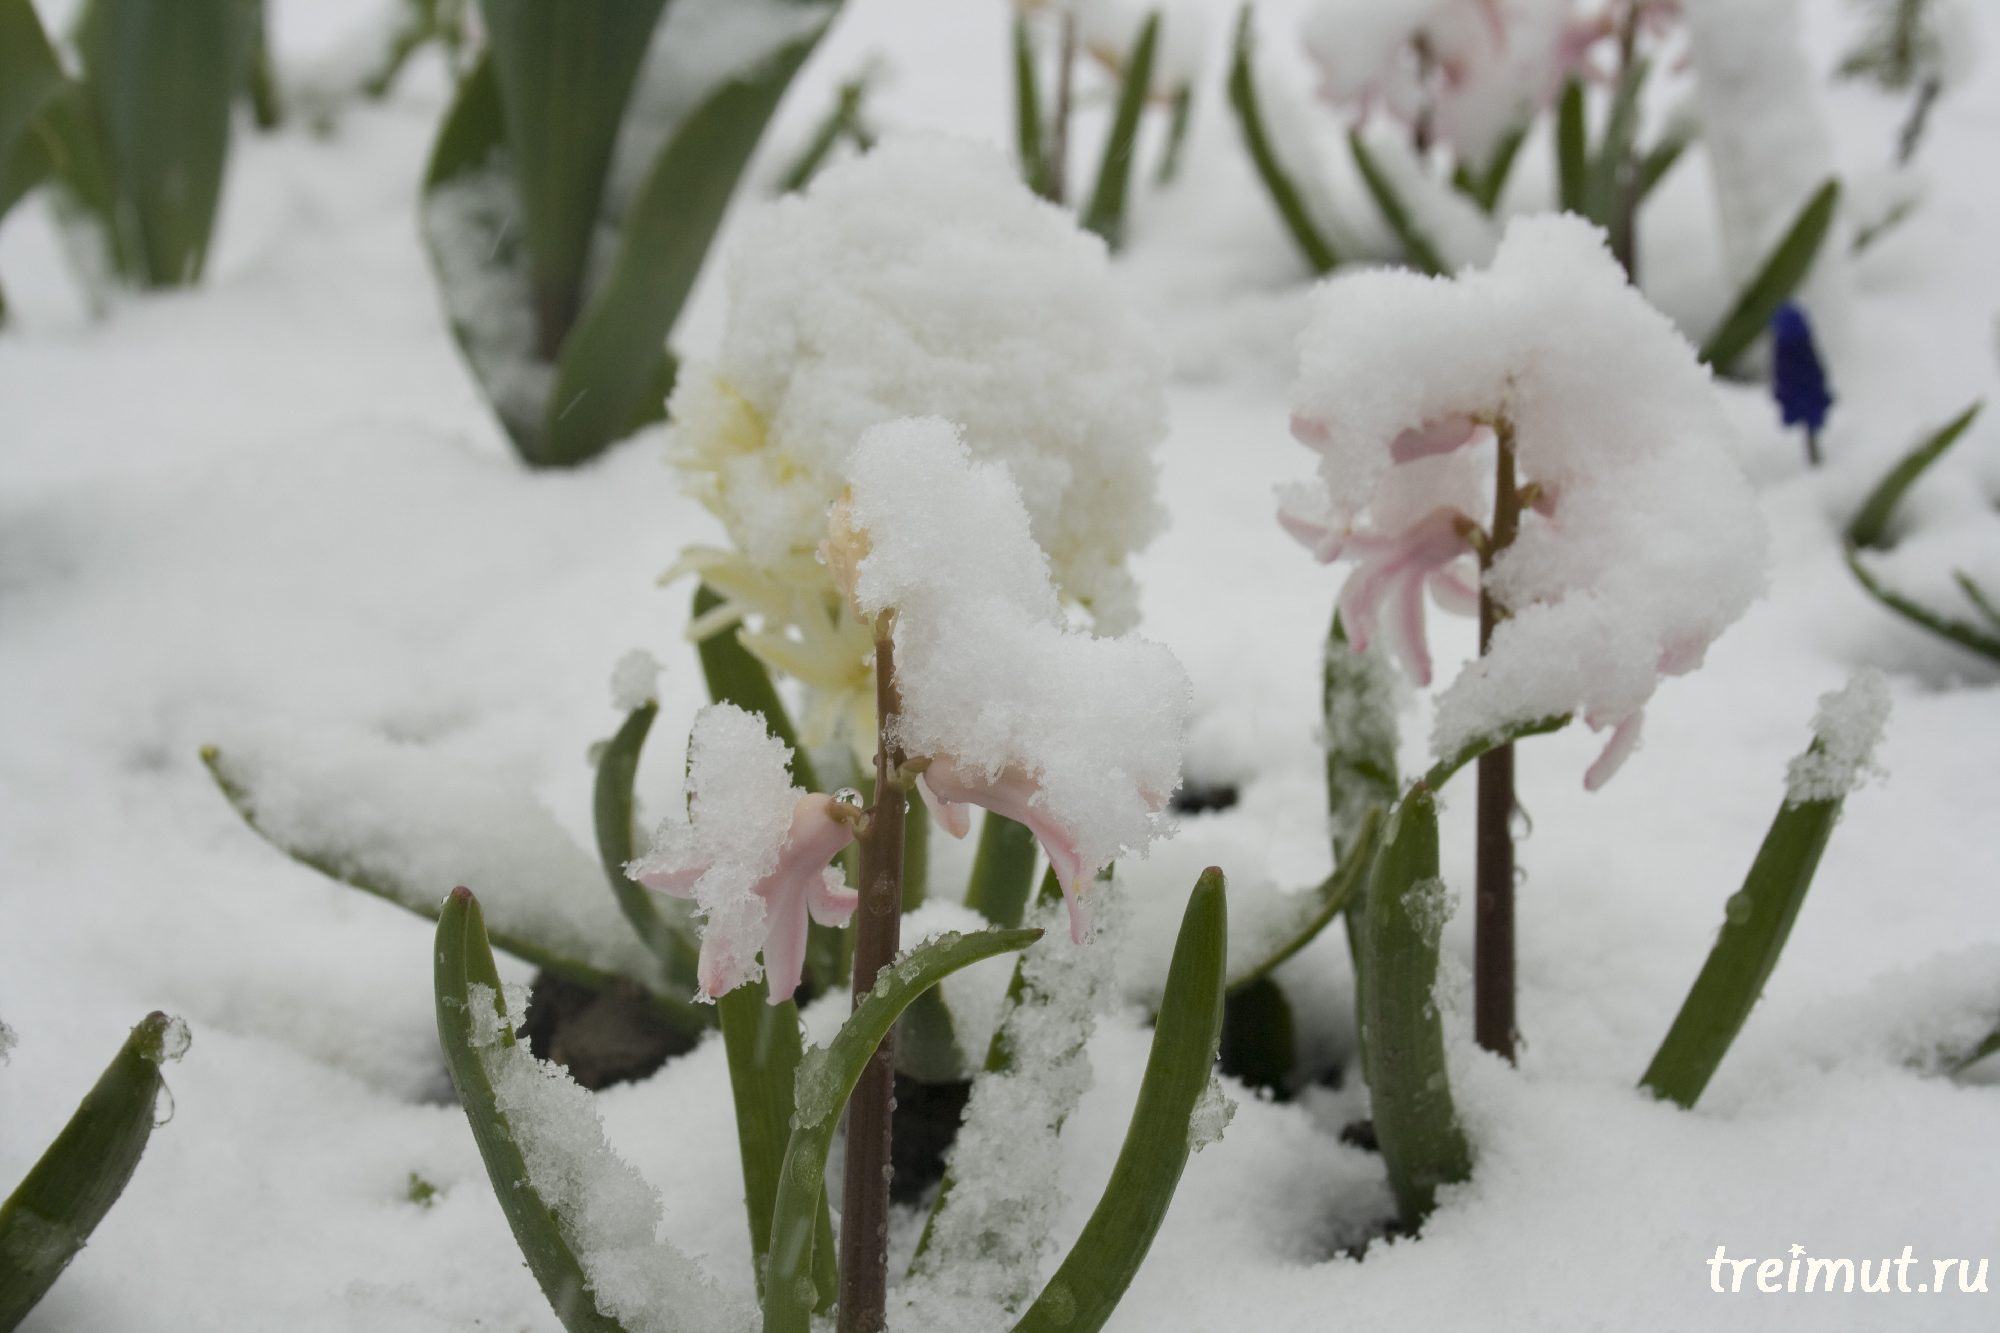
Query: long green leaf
[[465, 976], [1417, 247], [1870, 525], [1484, 188], [762, 1043], [1780, 275], [608, 375], [1179, 1072], [1572, 151], [611, 807], [1756, 922], [49, 1217], [1409, 1089], [825, 1080], [30, 74], [1105, 214], [565, 74], [1336, 894], [1358, 728], [160, 79], [1983, 601], [1027, 104], [474, 126], [1973, 638], [1441, 772], [589, 947], [1003, 871], [1278, 183], [1608, 173]]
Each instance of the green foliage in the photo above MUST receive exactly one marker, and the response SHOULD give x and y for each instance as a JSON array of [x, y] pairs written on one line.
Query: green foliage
[[1756, 922], [464, 962], [1409, 1089], [577, 358], [50, 1216], [611, 806], [1787, 265], [1003, 871], [1870, 528], [1417, 247], [1105, 213], [1167, 1125], [1901, 46], [825, 1080], [1027, 106], [1278, 182]]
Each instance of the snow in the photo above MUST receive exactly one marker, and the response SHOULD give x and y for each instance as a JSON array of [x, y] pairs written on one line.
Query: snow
[[1644, 543], [992, 1235], [635, 681], [992, 681], [1769, 147], [602, 1206], [925, 279], [1846, 729], [277, 507]]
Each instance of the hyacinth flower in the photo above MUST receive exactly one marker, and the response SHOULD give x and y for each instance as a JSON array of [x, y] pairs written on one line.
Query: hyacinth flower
[[752, 852], [1001, 706], [1469, 447], [1798, 379], [923, 277]]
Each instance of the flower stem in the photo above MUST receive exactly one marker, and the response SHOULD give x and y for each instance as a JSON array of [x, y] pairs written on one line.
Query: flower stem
[[1493, 918], [864, 1212]]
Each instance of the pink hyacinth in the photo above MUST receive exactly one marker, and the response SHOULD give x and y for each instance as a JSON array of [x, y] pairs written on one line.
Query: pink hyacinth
[[801, 885], [948, 789]]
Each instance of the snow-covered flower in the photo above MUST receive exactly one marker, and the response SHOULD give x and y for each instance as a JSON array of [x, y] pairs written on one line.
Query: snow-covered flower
[[751, 850], [1003, 706], [1476, 69], [1639, 541], [921, 278]]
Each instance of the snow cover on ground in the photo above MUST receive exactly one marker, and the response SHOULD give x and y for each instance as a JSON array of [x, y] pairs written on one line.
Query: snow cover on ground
[[277, 506]]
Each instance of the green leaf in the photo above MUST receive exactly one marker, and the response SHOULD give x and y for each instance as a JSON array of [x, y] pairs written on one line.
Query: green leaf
[[610, 361], [1336, 894], [1964, 633], [1607, 177], [565, 74], [1870, 525], [159, 80], [1981, 600], [762, 1043], [1003, 871], [473, 128], [1179, 119], [1987, 1046], [567, 929], [1409, 1088], [1027, 104], [1441, 772], [1780, 275], [825, 1080], [842, 120], [1756, 922], [617, 768], [1179, 1072], [1485, 188], [1105, 213], [1278, 183], [464, 961], [30, 74], [1661, 159], [50, 1216], [1417, 247], [1359, 730], [1572, 151]]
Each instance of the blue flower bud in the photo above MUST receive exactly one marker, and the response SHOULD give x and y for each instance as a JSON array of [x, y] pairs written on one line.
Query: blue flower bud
[[1798, 380]]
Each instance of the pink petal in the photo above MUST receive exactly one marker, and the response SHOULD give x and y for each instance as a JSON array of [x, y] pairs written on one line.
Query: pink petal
[[785, 949], [1433, 438], [1312, 433], [1012, 795], [952, 816], [831, 902], [1624, 740], [1406, 627], [678, 882], [1453, 590]]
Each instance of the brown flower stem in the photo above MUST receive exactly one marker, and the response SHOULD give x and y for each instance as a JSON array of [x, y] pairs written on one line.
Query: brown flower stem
[[864, 1211], [1055, 165], [1493, 917]]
